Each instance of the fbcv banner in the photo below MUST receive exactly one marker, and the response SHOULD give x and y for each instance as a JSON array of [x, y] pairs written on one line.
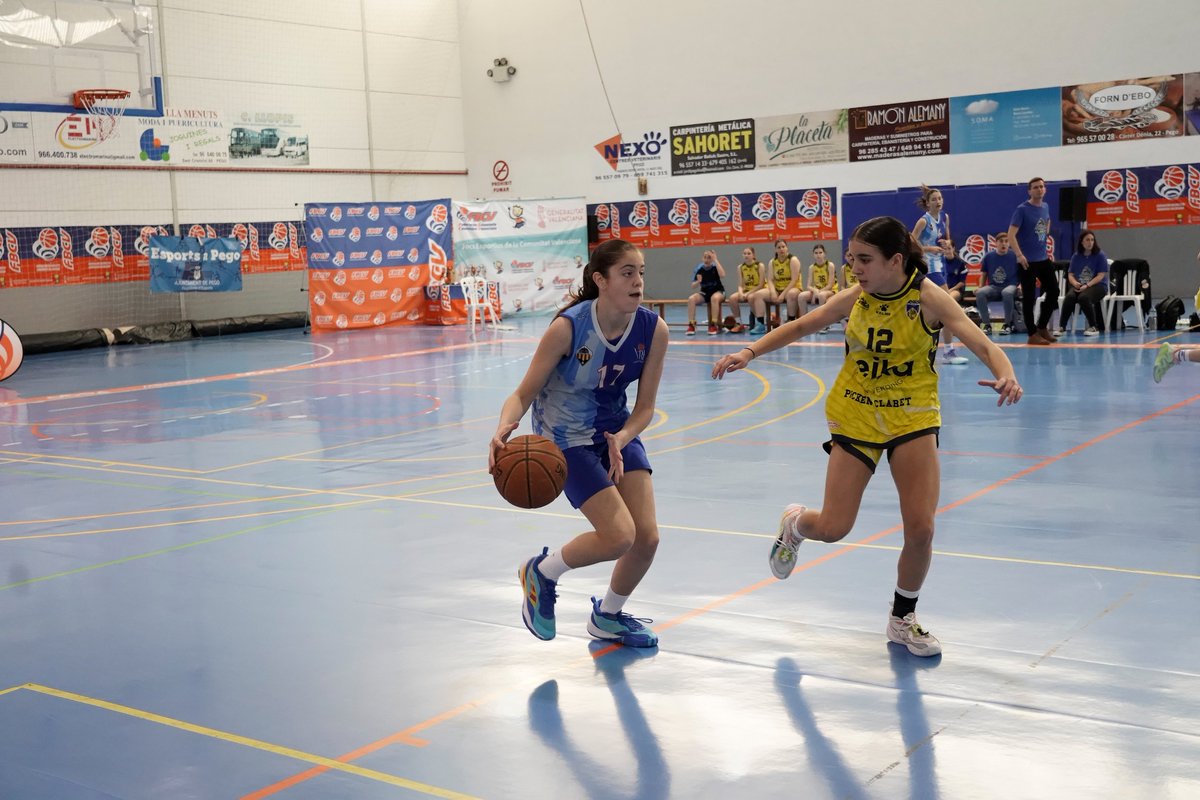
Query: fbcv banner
[[369, 263], [721, 219], [190, 264], [75, 254], [1144, 196], [266, 246]]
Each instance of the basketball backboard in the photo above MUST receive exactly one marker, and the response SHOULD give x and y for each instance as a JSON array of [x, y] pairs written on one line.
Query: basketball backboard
[[51, 48]]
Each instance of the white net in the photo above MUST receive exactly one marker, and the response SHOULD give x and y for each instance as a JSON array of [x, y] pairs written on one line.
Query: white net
[[106, 106]]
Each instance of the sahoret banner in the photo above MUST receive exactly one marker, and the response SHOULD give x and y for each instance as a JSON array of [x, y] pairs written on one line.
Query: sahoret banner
[[1144, 196], [721, 219], [712, 147], [189, 264], [369, 263]]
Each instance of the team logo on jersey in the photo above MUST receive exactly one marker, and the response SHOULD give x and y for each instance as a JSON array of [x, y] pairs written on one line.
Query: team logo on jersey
[[884, 309], [862, 303], [912, 308], [639, 351], [583, 355]]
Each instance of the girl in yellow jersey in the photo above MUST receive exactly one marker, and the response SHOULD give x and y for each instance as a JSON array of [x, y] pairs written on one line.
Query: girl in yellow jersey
[[752, 289], [885, 400], [785, 283], [822, 279]]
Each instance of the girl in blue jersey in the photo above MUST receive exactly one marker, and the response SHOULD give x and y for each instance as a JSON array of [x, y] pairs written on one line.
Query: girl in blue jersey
[[600, 343], [932, 232], [884, 401]]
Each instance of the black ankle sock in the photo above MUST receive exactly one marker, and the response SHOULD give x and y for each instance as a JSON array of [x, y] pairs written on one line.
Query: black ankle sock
[[760, 320], [903, 606]]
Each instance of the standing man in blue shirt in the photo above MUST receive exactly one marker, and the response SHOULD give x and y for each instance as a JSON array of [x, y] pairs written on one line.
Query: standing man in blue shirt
[[999, 283], [1027, 234]]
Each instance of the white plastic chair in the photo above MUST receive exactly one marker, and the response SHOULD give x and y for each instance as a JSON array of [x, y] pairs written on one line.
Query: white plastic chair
[[475, 292], [1129, 291]]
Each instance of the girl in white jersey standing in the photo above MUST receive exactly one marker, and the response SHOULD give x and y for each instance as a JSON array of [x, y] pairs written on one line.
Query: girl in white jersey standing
[[931, 233], [596, 346]]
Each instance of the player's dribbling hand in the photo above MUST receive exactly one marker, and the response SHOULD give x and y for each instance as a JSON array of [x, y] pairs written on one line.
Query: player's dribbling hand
[[497, 444], [616, 468], [1009, 390], [731, 363]]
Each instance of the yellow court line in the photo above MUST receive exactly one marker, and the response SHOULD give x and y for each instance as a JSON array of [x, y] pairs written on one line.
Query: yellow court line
[[245, 741]]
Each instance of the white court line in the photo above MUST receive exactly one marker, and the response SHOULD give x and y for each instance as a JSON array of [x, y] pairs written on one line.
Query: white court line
[[92, 405]]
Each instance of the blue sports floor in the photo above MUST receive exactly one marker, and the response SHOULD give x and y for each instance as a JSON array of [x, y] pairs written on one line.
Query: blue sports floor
[[274, 565]]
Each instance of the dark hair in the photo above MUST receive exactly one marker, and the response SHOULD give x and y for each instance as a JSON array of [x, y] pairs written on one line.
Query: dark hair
[[891, 237], [1095, 242], [753, 252], [602, 260], [818, 246], [926, 193], [1032, 181], [1002, 235]]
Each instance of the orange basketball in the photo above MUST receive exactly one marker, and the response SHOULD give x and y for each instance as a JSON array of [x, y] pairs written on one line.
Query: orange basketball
[[530, 471]]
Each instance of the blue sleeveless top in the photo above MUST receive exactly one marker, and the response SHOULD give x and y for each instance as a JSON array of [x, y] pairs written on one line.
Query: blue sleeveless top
[[585, 395]]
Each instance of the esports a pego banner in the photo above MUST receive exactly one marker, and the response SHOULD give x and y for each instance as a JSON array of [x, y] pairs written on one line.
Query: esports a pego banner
[[369, 263], [191, 264]]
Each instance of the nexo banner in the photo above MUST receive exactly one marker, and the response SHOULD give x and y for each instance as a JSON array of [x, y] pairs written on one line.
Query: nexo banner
[[370, 262], [1144, 196], [721, 219], [189, 264]]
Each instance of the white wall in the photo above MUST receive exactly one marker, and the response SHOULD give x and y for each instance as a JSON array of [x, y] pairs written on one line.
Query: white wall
[[674, 62], [376, 83]]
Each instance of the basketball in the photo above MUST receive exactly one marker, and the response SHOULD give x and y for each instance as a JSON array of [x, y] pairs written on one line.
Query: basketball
[[530, 471], [11, 352]]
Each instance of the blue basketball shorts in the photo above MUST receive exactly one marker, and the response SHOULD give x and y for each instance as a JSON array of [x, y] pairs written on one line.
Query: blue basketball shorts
[[587, 468]]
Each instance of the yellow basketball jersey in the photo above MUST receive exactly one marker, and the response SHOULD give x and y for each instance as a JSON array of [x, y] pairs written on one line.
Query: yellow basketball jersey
[[887, 387], [781, 273], [823, 277], [750, 275], [848, 276]]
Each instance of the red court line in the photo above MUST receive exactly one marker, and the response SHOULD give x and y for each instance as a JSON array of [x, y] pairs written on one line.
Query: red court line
[[407, 733], [25, 401]]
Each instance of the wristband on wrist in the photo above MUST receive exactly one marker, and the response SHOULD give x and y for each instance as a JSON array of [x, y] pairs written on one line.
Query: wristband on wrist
[[753, 354]]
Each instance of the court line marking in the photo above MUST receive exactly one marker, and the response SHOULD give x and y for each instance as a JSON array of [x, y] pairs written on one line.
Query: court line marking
[[49, 398], [747, 590], [245, 741]]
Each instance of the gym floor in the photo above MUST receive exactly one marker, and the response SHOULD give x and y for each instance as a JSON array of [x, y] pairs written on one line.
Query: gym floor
[[273, 565]]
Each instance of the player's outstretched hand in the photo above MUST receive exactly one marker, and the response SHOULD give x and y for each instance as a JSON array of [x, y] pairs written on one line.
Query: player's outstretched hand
[[497, 444], [1009, 390], [731, 363]]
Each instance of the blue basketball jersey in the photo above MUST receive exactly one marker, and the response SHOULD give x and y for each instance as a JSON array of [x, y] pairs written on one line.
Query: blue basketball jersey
[[929, 238], [585, 395]]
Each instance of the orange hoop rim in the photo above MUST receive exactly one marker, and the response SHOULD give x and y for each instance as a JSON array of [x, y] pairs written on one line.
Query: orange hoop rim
[[84, 98]]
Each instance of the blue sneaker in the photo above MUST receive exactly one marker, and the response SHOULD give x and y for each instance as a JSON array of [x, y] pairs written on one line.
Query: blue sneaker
[[620, 627], [758, 329], [538, 609]]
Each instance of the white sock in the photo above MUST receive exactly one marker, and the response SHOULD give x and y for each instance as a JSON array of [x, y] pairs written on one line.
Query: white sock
[[553, 566], [907, 593], [1181, 356], [613, 602]]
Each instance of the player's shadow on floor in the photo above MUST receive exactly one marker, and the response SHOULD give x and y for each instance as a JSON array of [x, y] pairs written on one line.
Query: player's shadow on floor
[[914, 722], [823, 753], [600, 777]]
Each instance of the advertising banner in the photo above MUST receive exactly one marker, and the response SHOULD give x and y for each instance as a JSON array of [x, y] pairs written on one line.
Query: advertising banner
[[712, 147], [189, 264], [533, 250], [181, 136], [721, 219], [982, 123], [900, 130], [369, 263], [75, 254], [266, 246], [1191, 102], [1144, 196], [810, 137], [1113, 111], [642, 154]]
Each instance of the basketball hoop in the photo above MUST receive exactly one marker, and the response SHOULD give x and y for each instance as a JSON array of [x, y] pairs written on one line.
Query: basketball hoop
[[105, 106]]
